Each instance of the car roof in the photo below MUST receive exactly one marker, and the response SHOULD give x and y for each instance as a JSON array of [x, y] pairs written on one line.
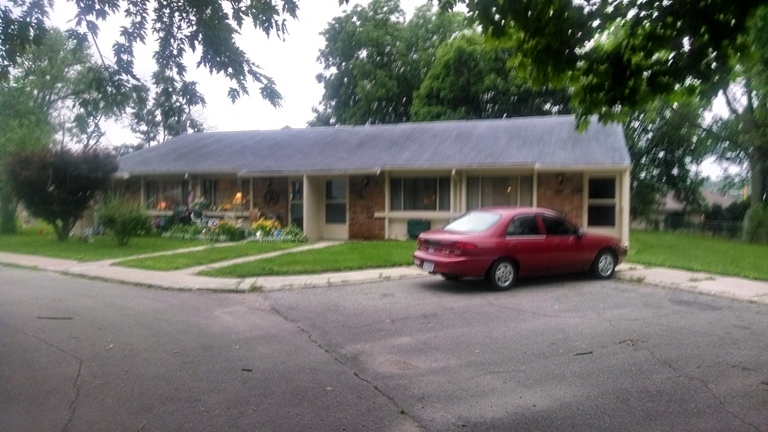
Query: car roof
[[513, 211]]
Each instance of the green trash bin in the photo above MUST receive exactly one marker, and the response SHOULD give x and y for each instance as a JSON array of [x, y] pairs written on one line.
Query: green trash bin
[[417, 226]]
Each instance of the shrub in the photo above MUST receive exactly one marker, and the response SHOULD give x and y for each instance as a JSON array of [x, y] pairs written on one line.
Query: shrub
[[294, 233], [124, 218], [230, 231], [756, 224]]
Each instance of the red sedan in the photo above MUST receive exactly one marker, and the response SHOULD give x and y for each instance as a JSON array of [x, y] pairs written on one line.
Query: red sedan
[[501, 243]]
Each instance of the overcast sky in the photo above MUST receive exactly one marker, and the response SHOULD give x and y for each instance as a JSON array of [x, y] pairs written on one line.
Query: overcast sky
[[291, 63]]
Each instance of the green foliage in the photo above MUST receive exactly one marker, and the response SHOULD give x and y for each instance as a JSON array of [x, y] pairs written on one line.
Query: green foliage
[[75, 93], [293, 233], [756, 224], [620, 56], [374, 60], [665, 142], [735, 212], [23, 125], [57, 186], [230, 231], [205, 29], [471, 79], [123, 217]]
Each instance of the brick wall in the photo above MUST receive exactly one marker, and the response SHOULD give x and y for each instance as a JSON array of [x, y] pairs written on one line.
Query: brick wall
[[364, 201], [567, 197]]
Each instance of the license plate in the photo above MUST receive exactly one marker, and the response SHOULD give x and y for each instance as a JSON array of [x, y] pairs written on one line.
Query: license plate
[[428, 266], [431, 249]]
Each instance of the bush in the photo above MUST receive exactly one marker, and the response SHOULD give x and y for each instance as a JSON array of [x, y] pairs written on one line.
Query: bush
[[124, 218], [756, 224]]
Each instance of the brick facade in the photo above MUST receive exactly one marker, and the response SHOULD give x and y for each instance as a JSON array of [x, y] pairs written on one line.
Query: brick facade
[[566, 196], [366, 196]]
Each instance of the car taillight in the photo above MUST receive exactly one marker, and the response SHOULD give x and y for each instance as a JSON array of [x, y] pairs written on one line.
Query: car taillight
[[460, 248]]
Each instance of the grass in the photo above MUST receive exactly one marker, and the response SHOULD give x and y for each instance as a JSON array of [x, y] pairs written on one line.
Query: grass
[[209, 255], [698, 253], [343, 257], [29, 241]]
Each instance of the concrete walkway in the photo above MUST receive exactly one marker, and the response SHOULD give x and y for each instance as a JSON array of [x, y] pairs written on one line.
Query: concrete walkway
[[187, 279]]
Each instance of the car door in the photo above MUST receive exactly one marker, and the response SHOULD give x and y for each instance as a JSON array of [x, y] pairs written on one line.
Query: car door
[[524, 242], [564, 245]]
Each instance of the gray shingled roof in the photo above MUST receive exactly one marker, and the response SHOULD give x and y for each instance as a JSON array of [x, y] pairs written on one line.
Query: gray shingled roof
[[546, 142]]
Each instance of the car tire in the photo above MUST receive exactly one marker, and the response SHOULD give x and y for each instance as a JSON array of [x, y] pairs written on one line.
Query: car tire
[[604, 265], [449, 277], [502, 274]]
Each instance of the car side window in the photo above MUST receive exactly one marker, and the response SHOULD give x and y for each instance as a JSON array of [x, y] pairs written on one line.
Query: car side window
[[556, 226], [523, 226]]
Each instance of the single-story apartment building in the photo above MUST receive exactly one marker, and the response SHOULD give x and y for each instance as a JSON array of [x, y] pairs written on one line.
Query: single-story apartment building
[[368, 182]]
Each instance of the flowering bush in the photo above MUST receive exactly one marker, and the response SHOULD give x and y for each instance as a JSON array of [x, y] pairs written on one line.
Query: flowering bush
[[266, 228]]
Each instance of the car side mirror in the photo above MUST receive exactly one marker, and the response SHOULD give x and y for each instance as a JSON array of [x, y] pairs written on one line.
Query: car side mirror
[[580, 232]]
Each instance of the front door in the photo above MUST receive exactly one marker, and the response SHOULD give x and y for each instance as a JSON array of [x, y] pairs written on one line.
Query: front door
[[335, 227]]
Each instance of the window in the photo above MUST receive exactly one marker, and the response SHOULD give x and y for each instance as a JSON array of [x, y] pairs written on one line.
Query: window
[[601, 204], [557, 226], [165, 195], [473, 222], [523, 226], [225, 195], [296, 194], [336, 202], [420, 193], [516, 191]]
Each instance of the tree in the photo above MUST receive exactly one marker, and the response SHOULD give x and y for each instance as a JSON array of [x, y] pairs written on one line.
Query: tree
[[620, 56], [471, 79], [205, 30], [665, 142], [23, 125], [374, 60], [58, 185], [70, 88]]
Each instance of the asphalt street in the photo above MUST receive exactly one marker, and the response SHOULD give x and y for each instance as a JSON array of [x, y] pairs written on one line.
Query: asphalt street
[[419, 354]]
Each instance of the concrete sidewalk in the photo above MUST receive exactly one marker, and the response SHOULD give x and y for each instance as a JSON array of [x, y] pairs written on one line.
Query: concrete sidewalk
[[187, 279], [722, 286]]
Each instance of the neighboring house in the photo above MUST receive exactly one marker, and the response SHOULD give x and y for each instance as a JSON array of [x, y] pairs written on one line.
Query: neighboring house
[[672, 214], [368, 182]]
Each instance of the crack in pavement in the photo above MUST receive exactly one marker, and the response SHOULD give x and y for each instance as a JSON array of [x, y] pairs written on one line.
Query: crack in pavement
[[706, 386], [357, 375], [75, 385]]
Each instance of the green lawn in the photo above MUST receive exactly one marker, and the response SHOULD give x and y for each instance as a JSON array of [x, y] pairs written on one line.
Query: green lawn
[[343, 257], [207, 256], [695, 252], [29, 241]]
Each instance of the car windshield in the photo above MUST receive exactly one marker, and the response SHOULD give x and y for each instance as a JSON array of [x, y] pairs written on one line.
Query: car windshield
[[473, 222]]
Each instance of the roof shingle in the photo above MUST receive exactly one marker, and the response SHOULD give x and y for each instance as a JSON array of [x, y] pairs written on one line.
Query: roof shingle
[[547, 142]]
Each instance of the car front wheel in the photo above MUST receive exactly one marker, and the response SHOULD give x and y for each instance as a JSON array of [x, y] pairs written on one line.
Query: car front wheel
[[604, 265], [502, 274]]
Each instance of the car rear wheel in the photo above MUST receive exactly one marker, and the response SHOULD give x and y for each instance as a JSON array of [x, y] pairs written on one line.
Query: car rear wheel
[[604, 265], [502, 274]]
